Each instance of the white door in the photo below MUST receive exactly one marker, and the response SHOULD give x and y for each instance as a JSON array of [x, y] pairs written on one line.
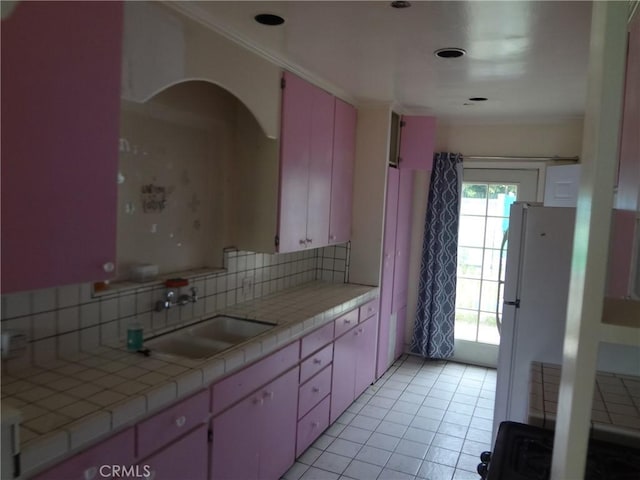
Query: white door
[[487, 195]]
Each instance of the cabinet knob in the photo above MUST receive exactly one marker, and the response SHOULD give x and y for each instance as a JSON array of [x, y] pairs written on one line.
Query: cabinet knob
[[309, 241], [315, 424], [303, 242], [108, 267], [180, 421], [347, 321], [315, 389], [90, 473], [317, 361], [360, 330], [258, 401], [268, 395], [332, 237]]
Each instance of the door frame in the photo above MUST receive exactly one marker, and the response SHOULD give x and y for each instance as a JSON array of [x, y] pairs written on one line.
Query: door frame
[[482, 354]]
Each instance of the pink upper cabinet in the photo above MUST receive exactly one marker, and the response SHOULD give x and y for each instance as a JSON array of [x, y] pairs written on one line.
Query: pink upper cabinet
[[297, 102], [417, 142], [628, 197], [305, 165], [344, 151], [321, 153], [60, 110]]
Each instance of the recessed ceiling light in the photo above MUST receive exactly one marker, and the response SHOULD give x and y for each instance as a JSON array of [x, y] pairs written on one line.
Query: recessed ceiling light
[[400, 4], [269, 19], [478, 99], [449, 52]]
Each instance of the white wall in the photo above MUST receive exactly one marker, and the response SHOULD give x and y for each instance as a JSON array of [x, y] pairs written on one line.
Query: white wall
[[561, 138], [369, 186]]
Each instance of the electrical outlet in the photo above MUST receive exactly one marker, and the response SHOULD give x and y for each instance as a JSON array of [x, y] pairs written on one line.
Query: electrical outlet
[[247, 286], [14, 344]]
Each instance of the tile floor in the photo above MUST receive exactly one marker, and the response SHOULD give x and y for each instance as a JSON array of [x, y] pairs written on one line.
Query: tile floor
[[421, 420]]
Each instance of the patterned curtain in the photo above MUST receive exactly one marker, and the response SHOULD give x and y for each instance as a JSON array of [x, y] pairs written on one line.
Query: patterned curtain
[[433, 329]]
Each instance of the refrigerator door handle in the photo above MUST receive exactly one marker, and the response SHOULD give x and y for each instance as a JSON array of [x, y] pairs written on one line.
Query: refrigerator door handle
[[516, 303]]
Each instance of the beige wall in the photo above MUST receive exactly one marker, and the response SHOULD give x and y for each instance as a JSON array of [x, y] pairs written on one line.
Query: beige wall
[[180, 143], [162, 47], [562, 138]]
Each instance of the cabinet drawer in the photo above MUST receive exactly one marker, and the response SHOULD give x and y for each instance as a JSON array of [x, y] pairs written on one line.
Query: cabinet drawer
[[170, 464], [315, 363], [313, 391], [166, 426], [312, 425], [346, 322], [316, 340], [117, 450], [369, 309], [239, 385]]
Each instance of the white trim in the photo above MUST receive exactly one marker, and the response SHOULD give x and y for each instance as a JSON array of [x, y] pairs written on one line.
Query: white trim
[[541, 167]]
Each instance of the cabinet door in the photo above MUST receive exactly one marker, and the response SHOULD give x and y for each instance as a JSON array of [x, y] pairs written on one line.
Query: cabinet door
[[628, 196], [366, 355], [403, 241], [185, 458], [320, 154], [344, 152], [344, 374], [297, 103], [60, 116], [417, 141], [236, 441], [388, 262], [279, 424], [401, 321]]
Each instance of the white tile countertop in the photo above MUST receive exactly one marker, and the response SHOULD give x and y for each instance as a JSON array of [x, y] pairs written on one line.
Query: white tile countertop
[[73, 401], [615, 414]]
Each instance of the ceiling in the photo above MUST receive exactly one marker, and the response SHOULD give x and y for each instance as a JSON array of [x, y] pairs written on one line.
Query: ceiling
[[529, 58]]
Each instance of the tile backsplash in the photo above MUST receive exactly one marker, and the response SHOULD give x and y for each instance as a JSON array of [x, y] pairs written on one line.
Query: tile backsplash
[[66, 320]]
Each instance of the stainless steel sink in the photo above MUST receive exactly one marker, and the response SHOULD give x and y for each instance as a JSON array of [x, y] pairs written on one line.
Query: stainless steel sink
[[184, 345], [229, 329], [208, 338]]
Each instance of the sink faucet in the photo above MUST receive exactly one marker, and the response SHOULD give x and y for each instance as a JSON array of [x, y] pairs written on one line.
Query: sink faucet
[[184, 298], [169, 299]]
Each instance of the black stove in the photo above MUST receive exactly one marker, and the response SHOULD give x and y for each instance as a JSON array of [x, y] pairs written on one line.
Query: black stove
[[523, 452]]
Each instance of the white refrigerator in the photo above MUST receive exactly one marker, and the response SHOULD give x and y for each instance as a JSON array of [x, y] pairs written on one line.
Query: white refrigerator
[[538, 267]]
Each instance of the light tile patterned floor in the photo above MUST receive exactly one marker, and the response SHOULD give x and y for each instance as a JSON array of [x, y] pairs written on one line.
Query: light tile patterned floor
[[421, 420]]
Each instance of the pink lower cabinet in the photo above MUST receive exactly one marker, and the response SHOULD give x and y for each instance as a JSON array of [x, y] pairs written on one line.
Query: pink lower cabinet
[[166, 426], [354, 360], [313, 391], [344, 374], [185, 458], [312, 425], [256, 437], [366, 355], [96, 462]]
